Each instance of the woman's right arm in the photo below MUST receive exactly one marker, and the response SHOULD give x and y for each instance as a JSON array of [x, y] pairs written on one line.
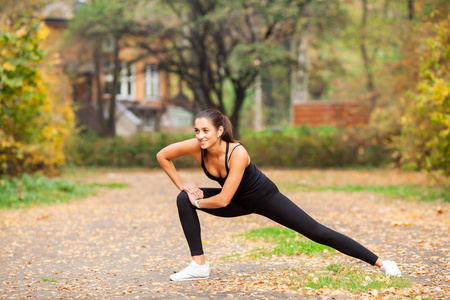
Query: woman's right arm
[[167, 154]]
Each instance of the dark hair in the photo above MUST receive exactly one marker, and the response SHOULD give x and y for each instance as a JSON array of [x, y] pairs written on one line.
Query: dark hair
[[218, 119]]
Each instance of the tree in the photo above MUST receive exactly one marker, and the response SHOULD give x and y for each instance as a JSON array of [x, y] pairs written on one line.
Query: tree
[[366, 52], [33, 126], [315, 22], [367, 63], [14, 11], [425, 139], [215, 44], [410, 9], [95, 24]]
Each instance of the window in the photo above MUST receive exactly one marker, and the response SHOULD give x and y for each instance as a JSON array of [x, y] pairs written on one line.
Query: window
[[127, 86], [108, 83], [108, 77], [127, 82], [108, 45], [152, 82], [149, 122]]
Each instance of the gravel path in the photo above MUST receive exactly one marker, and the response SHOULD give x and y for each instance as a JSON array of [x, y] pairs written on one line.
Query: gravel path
[[124, 243]]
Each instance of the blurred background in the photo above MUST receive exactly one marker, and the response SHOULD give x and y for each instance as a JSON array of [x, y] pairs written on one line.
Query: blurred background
[[306, 83]]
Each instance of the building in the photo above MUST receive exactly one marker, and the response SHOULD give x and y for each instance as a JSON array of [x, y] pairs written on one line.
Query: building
[[147, 99]]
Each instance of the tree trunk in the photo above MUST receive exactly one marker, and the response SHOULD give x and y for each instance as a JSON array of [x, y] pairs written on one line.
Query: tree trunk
[[293, 80], [300, 73], [112, 104], [370, 83], [410, 10], [258, 104], [234, 119], [200, 102], [97, 71], [239, 94], [303, 67]]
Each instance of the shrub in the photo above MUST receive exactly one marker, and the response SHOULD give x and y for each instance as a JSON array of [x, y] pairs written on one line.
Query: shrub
[[33, 125], [425, 139], [292, 147]]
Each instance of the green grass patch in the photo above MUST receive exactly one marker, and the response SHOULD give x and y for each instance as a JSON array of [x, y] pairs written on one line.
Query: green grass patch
[[38, 189], [408, 192], [114, 185], [347, 277], [48, 280], [282, 241]]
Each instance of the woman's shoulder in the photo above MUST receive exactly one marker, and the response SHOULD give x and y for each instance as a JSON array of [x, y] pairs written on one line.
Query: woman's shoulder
[[238, 151], [190, 146], [192, 141], [237, 146]]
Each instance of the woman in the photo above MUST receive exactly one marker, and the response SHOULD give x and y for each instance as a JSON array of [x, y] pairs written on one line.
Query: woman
[[245, 190]]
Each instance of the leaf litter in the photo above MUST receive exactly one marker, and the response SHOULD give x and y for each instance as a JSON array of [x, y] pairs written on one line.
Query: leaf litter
[[125, 243]]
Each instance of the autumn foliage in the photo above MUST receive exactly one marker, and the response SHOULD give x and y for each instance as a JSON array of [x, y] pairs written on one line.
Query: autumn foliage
[[33, 124], [425, 138], [402, 72]]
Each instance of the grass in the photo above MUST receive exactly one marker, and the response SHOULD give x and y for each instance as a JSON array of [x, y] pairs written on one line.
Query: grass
[[347, 277], [29, 190], [282, 241], [299, 130], [407, 192], [114, 185], [48, 280]]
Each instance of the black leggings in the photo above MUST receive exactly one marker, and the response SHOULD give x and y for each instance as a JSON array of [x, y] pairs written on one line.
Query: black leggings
[[277, 208]]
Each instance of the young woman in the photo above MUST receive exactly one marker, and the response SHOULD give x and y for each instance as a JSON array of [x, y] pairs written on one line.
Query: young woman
[[245, 190]]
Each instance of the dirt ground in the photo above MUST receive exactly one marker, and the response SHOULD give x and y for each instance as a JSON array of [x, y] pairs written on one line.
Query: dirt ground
[[124, 243]]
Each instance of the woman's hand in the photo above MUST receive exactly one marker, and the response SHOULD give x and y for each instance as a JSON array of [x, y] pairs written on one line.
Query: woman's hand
[[191, 188], [193, 197]]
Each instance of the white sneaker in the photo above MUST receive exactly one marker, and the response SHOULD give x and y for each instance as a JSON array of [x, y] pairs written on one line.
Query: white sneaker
[[390, 268], [193, 271]]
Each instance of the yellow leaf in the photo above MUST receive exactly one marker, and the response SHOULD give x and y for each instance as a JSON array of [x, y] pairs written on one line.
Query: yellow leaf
[[21, 32], [43, 32], [8, 66]]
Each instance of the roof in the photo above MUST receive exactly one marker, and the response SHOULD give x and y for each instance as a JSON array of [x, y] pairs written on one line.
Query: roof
[[58, 10]]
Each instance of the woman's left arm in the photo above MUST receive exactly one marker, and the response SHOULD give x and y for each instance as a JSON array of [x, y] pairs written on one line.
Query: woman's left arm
[[238, 163]]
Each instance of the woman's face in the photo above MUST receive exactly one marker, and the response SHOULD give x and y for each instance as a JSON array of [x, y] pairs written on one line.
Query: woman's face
[[206, 133]]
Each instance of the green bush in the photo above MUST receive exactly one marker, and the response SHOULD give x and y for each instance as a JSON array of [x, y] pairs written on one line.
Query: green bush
[[316, 147], [290, 147], [136, 151]]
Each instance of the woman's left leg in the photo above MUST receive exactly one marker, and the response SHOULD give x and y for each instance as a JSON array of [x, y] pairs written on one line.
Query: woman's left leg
[[199, 268], [190, 222], [283, 211]]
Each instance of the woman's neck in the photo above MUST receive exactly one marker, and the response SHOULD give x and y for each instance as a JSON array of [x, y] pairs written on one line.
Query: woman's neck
[[217, 150]]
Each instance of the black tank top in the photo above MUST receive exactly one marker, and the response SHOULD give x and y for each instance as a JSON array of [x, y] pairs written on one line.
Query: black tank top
[[254, 183]]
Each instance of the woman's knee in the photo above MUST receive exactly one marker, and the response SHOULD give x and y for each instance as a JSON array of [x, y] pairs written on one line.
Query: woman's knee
[[183, 200]]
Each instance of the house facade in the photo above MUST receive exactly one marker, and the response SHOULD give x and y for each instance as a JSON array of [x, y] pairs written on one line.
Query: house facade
[[146, 99]]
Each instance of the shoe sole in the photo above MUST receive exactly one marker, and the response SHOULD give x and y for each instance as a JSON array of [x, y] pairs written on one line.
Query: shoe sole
[[188, 279]]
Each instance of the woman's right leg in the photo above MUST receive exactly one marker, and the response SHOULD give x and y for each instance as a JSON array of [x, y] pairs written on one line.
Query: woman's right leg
[[283, 211], [190, 222]]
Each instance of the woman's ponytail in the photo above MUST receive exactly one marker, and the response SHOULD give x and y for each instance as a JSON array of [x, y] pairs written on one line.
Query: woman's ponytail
[[227, 135]]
